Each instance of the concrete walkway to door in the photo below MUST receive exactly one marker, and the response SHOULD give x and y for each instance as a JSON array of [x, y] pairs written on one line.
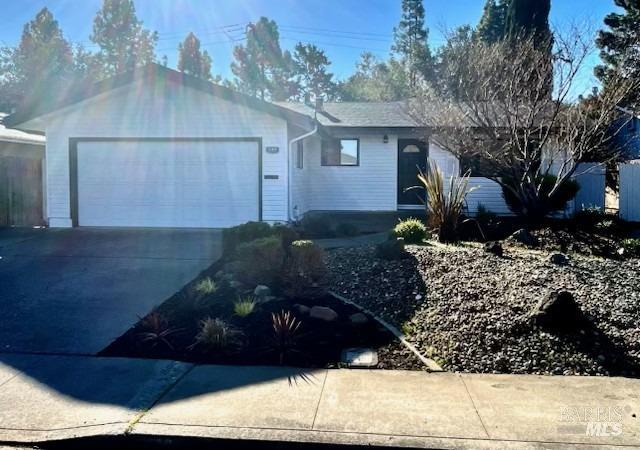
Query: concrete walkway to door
[[74, 291]]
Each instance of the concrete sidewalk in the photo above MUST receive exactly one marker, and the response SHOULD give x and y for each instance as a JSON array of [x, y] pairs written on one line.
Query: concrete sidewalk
[[52, 397]]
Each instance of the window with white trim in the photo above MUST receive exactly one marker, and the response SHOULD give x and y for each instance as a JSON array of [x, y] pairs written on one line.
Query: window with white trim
[[341, 152]]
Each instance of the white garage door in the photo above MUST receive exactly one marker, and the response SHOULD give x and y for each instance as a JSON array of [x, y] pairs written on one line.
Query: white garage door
[[167, 183]]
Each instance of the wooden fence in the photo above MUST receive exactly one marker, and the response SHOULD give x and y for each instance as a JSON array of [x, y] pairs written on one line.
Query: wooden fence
[[20, 191]]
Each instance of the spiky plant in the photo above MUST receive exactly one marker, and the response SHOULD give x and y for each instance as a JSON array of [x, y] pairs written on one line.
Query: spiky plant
[[444, 204], [215, 334], [285, 332], [206, 286], [244, 306], [156, 330]]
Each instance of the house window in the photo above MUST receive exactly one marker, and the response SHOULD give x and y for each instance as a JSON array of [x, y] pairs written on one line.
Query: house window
[[341, 152], [300, 155]]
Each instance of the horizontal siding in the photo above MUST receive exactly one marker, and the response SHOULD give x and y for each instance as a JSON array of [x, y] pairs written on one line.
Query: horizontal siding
[[371, 186], [174, 111]]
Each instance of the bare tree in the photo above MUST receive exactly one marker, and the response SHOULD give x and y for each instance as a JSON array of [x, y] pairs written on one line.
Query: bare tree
[[508, 107]]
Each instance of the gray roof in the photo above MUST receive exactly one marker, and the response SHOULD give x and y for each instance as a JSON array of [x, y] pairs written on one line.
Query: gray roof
[[17, 136], [358, 114]]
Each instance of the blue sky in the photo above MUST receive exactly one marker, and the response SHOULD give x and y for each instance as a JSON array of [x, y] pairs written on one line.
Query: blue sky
[[344, 28]]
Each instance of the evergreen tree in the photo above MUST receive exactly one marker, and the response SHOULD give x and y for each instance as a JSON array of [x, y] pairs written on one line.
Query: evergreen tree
[[529, 17], [411, 42], [375, 80], [124, 43], [620, 45], [492, 24], [193, 61], [260, 67], [311, 64], [40, 66]]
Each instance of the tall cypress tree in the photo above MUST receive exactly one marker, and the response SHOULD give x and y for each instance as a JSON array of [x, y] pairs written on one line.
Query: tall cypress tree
[[529, 18], [411, 42], [193, 61], [492, 23], [620, 44]]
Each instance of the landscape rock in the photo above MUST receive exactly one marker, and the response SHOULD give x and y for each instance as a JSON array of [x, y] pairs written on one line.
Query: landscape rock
[[391, 249], [358, 319], [558, 311], [559, 259], [524, 237], [262, 291], [323, 313], [303, 310], [494, 248]]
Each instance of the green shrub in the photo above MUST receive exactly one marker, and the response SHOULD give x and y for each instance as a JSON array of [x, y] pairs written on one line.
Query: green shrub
[[317, 226], [631, 247], [244, 306], [206, 286], [216, 334], [285, 233], [413, 231], [305, 271], [259, 261], [540, 206], [250, 231]]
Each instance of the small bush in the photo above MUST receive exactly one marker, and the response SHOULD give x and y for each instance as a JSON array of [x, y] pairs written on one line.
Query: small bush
[[216, 334], [545, 204], [317, 226], [260, 261], [305, 271], [206, 286], [250, 231], [244, 306], [286, 234], [631, 247], [346, 229], [413, 231]]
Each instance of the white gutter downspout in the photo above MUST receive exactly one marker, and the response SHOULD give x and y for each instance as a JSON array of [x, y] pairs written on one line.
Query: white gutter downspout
[[289, 171]]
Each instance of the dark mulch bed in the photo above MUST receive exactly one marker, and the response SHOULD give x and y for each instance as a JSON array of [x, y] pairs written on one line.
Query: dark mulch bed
[[320, 343]]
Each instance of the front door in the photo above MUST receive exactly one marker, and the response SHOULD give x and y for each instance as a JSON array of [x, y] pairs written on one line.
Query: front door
[[412, 157]]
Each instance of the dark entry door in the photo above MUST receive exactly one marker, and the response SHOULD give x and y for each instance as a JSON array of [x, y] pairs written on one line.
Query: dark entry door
[[20, 191], [412, 156]]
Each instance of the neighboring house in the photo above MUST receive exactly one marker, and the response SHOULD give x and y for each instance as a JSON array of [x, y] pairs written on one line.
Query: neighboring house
[[157, 148], [628, 134], [21, 177]]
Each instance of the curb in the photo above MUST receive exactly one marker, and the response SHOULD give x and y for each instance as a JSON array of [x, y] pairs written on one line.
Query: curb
[[430, 363]]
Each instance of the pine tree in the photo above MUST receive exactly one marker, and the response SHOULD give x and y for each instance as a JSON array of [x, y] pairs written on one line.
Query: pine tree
[[39, 66], [260, 67], [311, 66], [193, 61], [620, 45], [124, 43], [411, 42], [529, 18], [492, 24]]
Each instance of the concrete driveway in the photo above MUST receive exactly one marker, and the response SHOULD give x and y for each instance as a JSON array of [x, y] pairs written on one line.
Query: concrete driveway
[[74, 291]]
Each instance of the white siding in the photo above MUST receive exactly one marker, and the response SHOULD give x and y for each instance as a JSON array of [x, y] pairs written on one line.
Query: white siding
[[162, 111], [371, 186]]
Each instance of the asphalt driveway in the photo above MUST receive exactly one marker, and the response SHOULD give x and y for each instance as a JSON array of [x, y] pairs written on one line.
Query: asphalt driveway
[[75, 290]]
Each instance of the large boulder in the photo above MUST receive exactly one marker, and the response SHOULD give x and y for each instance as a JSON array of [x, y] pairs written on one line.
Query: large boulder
[[524, 237], [391, 249], [558, 311], [323, 313]]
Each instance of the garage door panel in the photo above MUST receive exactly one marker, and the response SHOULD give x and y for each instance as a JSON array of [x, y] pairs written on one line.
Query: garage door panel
[[167, 184]]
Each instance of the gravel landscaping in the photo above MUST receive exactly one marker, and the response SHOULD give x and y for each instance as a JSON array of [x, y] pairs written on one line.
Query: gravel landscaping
[[470, 310]]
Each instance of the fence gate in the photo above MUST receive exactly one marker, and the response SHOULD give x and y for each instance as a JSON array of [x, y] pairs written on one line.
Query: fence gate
[[20, 191], [630, 192]]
